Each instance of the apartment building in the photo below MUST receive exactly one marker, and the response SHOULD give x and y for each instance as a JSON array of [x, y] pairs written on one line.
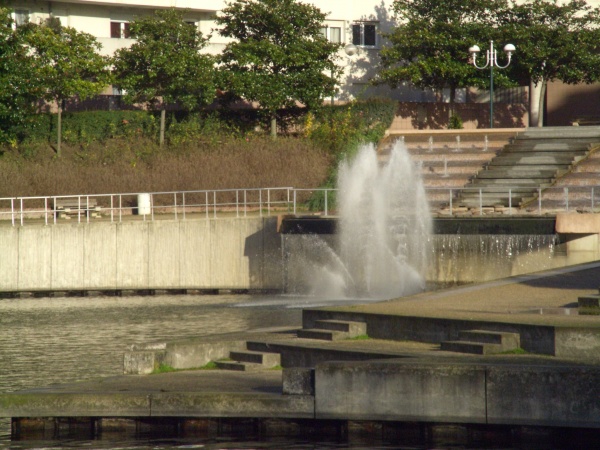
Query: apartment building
[[358, 22]]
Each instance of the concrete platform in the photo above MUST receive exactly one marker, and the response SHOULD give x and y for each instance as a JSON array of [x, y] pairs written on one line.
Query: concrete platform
[[398, 375]]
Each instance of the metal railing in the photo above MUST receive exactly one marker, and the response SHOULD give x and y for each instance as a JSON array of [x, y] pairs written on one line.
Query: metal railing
[[268, 201]]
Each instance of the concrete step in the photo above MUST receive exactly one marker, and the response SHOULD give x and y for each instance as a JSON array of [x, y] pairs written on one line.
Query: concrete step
[[323, 335], [508, 341], [352, 328], [239, 366], [267, 360], [474, 348], [482, 342]]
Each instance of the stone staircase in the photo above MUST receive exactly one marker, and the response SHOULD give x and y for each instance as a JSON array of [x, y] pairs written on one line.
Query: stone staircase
[[535, 159], [333, 330], [482, 342]]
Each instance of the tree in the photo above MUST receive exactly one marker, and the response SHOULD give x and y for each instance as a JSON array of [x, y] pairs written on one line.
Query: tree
[[279, 56], [429, 46], [555, 41], [19, 87], [67, 63], [165, 65]]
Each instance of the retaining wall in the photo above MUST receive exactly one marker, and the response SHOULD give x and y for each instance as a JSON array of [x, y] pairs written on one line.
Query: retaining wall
[[165, 254]]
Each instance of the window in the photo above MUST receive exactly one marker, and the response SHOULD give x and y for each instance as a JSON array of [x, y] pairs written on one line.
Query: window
[[21, 17], [332, 34], [119, 30], [364, 34]]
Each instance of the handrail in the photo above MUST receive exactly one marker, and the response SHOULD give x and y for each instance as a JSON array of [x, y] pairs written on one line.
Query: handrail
[[182, 205]]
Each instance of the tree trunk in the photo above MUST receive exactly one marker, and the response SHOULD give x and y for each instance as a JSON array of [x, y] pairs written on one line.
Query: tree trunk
[[540, 121], [535, 93], [273, 126], [59, 128], [452, 104], [163, 115]]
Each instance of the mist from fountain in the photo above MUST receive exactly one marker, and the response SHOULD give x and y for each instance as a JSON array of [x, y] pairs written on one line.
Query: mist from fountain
[[384, 229]]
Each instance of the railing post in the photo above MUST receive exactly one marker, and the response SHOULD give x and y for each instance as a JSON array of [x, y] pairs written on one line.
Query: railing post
[[510, 202], [120, 208], [480, 202], [294, 201], [260, 191], [326, 195], [450, 193], [183, 203], [540, 201], [268, 202], [206, 203], [111, 208], [12, 211], [175, 204], [21, 202], [214, 204], [46, 210]]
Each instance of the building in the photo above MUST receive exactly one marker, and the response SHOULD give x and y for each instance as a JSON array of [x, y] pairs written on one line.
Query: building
[[358, 22]]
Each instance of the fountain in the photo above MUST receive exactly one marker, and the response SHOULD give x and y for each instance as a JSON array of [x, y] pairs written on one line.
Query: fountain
[[382, 244]]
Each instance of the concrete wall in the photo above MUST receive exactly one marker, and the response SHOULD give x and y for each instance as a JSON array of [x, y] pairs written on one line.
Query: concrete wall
[[167, 254], [468, 393]]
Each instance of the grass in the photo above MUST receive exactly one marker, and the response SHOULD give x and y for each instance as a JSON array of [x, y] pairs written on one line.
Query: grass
[[360, 337], [122, 166]]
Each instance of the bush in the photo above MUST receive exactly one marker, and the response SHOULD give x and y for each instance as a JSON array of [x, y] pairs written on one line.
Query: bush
[[342, 130], [88, 126], [455, 122]]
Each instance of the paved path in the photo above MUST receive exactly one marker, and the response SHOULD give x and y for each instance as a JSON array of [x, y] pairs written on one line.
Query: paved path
[[516, 299]]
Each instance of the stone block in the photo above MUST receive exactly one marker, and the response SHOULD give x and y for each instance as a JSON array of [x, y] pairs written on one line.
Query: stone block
[[298, 381]]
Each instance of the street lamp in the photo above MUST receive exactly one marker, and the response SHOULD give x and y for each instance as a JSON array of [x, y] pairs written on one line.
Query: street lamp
[[491, 57]]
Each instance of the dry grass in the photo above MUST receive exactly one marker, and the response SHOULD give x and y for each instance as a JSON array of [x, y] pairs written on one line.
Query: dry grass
[[121, 166]]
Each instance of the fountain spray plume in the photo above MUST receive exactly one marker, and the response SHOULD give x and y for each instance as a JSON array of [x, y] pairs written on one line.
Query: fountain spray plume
[[385, 225]]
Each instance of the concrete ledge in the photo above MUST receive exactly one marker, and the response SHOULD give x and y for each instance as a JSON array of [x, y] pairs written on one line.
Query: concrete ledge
[[77, 404], [536, 395], [575, 223], [400, 391], [232, 405]]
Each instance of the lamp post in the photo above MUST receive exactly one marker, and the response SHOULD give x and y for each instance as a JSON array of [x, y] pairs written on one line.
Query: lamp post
[[491, 57]]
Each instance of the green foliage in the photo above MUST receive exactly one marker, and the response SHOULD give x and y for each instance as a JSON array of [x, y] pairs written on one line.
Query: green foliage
[[279, 56], [90, 126], [20, 86], [429, 47], [163, 368], [341, 130], [555, 41], [164, 65], [200, 127], [67, 61], [455, 122]]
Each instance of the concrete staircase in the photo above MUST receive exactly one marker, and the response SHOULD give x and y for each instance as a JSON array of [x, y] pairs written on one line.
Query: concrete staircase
[[333, 330], [482, 342], [535, 159], [448, 159], [249, 360]]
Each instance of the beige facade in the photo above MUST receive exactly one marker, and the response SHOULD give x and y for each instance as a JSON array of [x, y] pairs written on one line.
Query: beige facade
[[348, 21]]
